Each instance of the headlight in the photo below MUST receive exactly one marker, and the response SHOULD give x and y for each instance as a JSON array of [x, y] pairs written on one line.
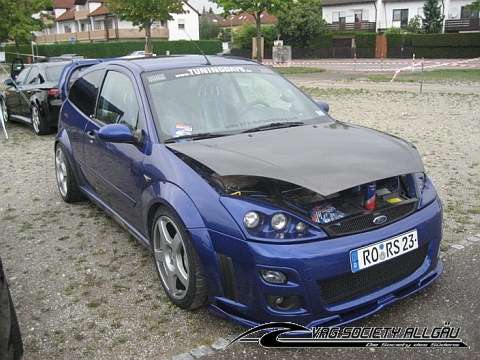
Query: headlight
[[251, 219], [279, 221]]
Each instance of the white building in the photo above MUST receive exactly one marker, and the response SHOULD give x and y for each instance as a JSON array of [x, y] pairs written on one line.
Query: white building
[[90, 20], [380, 15]]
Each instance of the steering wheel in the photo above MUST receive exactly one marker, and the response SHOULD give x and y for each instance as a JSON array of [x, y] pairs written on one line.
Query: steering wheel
[[251, 105]]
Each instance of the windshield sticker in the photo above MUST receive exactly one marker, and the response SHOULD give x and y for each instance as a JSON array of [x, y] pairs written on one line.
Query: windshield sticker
[[214, 70], [156, 78], [181, 130]]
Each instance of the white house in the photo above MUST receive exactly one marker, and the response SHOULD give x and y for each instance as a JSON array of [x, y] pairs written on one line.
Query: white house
[[90, 20], [380, 15]]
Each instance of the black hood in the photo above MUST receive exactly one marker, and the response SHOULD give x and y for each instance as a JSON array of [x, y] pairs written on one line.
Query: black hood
[[325, 158]]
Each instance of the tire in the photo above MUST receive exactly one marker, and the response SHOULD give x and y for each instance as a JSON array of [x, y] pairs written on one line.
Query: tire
[[39, 123], [177, 262], [11, 344], [3, 109], [3, 116], [66, 182]]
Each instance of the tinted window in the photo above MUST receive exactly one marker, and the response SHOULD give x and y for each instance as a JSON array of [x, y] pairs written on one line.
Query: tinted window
[[85, 90], [53, 72], [32, 77], [117, 102]]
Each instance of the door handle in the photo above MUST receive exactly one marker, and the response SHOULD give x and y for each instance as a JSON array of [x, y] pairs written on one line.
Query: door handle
[[91, 135]]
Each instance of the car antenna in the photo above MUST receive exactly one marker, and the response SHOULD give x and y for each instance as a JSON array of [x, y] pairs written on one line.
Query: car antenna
[[198, 47]]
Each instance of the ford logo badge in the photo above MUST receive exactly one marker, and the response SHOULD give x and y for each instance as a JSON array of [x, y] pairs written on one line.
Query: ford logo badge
[[379, 220]]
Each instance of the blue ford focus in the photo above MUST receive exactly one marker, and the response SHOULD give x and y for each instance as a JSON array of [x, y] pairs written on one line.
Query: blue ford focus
[[252, 199]]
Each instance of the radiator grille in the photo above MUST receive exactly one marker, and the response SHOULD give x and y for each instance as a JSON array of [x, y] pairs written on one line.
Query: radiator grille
[[348, 286]]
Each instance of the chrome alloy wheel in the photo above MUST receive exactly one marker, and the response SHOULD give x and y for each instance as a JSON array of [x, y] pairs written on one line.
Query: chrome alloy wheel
[[171, 257], [61, 172]]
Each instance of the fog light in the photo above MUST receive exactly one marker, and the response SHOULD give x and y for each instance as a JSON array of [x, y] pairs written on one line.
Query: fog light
[[274, 277], [251, 219], [301, 227], [279, 221], [283, 303]]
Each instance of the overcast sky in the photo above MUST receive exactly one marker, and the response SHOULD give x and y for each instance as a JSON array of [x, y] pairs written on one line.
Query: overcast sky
[[199, 4]]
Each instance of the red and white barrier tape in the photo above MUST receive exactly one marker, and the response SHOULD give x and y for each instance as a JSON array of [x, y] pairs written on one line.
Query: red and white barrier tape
[[462, 63]]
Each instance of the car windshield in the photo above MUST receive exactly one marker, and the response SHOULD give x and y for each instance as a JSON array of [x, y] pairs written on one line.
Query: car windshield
[[202, 102], [53, 72]]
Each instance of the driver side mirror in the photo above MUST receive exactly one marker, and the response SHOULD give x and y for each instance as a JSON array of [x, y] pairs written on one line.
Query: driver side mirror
[[120, 133], [9, 82], [324, 106]]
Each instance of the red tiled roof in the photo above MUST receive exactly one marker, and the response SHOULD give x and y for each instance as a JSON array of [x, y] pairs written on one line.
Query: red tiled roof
[[243, 17], [67, 15], [102, 10], [63, 4]]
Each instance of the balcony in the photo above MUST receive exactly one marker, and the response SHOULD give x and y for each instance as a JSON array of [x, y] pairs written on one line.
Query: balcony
[[102, 35], [465, 24], [353, 26]]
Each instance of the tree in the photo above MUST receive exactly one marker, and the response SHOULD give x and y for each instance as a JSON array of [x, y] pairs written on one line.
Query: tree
[[474, 5], [143, 13], [415, 25], [433, 20], [209, 30], [18, 22], [301, 24], [242, 38], [256, 9]]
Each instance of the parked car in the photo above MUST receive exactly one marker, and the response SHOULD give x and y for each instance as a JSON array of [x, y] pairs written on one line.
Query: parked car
[[16, 68], [64, 57], [250, 196], [33, 98], [136, 54], [11, 344]]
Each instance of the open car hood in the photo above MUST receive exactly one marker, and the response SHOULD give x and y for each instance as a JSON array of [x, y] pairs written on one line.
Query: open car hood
[[325, 158]]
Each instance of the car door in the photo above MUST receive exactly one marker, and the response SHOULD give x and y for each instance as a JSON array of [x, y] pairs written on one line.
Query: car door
[[27, 88], [14, 93], [114, 169]]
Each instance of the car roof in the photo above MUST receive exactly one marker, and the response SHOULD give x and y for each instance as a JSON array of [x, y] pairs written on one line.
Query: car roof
[[181, 61], [51, 64]]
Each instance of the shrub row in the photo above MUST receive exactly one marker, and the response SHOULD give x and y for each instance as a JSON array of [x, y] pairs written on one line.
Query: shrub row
[[114, 48]]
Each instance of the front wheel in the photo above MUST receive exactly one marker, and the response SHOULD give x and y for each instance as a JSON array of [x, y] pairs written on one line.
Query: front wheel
[[177, 263], [39, 123], [66, 182]]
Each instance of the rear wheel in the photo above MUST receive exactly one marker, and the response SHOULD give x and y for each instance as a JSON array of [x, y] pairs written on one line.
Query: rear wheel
[[177, 262], [39, 123], [3, 116], [66, 182]]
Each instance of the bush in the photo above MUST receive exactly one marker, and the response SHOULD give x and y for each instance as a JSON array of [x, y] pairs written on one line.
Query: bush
[[114, 48]]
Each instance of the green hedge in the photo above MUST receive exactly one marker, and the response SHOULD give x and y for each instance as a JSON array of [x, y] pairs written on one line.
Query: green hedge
[[430, 46], [114, 48]]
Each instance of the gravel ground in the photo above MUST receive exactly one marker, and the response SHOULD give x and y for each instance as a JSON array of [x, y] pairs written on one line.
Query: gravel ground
[[85, 289]]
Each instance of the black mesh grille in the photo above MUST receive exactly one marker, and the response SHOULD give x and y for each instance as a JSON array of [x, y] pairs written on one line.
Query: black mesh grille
[[364, 222], [351, 285]]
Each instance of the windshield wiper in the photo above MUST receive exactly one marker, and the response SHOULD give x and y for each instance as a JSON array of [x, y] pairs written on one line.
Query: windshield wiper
[[276, 125], [198, 136]]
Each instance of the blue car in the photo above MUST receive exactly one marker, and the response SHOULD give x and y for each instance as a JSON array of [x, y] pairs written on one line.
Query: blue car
[[252, 199]]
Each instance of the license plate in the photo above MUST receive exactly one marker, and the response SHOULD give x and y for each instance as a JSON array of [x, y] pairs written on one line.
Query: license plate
[[385, 250]]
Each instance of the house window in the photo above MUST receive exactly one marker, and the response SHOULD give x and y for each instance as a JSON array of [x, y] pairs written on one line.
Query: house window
[[67, 29], [181, 24], [401, 15], [358, 16], [97, 25], [469, 13], [339, 17]]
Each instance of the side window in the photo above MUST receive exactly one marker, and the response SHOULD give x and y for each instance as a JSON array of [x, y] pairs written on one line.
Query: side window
[[23, 76], [32, 77], [84, 91], [117, 102]]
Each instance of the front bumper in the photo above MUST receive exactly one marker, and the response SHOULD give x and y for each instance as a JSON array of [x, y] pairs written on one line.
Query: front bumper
[[321, 286]]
